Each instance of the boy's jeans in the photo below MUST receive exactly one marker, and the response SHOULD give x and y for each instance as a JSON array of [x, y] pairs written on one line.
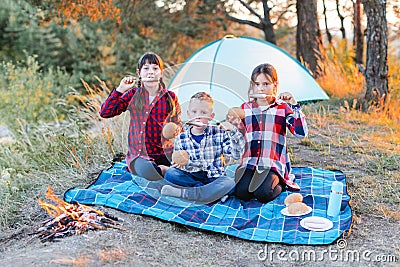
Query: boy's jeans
[[197, 186]]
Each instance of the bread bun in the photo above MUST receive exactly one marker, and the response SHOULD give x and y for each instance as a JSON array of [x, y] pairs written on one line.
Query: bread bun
[[236, 112], [297, 208], [292, 198], [169, 130], [180, 157]]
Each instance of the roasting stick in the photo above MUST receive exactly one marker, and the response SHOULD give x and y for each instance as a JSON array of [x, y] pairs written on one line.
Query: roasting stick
[[145, 79], [196, 123], [150, 80], [259, 95], [265, 96]]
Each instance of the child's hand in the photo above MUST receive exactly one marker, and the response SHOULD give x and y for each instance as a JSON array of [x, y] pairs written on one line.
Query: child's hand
[[126, 84], [236, 112], [233, 120], [227, 126], [234, 116], [176, 165], [178, 131], [287, 97]]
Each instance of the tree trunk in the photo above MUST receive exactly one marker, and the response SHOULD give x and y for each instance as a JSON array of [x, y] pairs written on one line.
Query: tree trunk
[[308, 36], [376, 72], [328, 33], [358, 40], [341, 17], [267, 24]]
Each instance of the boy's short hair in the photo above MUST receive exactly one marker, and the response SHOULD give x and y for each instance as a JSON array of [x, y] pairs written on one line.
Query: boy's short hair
[[203, 96]]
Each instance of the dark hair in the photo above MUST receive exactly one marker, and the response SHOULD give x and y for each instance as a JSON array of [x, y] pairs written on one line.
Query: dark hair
[[151, 58], [266, 69]]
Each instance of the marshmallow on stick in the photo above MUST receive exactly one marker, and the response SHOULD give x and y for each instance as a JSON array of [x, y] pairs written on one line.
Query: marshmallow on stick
[[150, 79], [236, 112], [180, 157], [297, 208], [259, 95], [196, 123], [169, 130]]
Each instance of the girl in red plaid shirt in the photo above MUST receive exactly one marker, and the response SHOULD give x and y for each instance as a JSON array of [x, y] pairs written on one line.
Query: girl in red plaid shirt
[[151, 105], [264, 168]]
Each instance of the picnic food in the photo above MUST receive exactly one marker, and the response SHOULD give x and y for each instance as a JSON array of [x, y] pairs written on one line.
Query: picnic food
[[259, 95], [180, 157], [316, 223], [292, 198], [153, 79], [236, 112], [297, 208], [196, 123], [169, 130]]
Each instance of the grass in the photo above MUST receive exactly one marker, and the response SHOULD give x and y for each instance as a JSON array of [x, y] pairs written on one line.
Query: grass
[[366, 147], [69, 144]]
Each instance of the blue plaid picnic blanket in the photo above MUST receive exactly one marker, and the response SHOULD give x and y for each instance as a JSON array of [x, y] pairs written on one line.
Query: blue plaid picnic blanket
[[251, 220]]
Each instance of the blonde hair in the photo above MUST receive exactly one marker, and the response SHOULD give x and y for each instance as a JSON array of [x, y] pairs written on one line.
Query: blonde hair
[[203, 96]]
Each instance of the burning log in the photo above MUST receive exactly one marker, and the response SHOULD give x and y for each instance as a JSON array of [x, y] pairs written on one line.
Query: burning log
[[72, 219]]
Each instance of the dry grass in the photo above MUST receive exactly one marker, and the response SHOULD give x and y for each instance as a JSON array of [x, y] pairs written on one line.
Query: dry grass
[[343, 79], [366, 146]]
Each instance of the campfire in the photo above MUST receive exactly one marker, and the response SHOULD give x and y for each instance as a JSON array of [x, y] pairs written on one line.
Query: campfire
[[72, 219]]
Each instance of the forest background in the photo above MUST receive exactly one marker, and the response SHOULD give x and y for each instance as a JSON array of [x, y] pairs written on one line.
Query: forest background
[[59, 60]]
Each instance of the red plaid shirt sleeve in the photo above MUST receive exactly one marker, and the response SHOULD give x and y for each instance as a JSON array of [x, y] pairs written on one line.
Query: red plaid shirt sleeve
[[295, 121], [116, 103]]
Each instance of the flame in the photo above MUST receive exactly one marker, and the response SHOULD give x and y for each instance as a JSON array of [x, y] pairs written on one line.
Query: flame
[[64, 207], [52, 210], [70, 218]]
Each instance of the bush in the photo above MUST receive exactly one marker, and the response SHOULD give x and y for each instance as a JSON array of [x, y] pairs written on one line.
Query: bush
[[29, 94]]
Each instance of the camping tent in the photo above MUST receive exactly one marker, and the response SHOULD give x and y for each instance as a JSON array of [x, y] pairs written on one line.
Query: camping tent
[[223, 69]]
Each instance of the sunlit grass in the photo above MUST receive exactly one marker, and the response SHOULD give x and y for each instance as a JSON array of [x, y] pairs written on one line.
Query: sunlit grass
[[364, 145], [342, 81]]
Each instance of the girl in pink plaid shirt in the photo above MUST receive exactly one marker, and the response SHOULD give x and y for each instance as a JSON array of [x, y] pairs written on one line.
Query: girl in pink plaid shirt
[[151, 105], [264, 168]]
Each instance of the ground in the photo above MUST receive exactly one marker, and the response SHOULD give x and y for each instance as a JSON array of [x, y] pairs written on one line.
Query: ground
[[151, 242]]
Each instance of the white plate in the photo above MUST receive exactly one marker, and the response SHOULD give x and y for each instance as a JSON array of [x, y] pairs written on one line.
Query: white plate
[[285, 212], [315, 223]]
